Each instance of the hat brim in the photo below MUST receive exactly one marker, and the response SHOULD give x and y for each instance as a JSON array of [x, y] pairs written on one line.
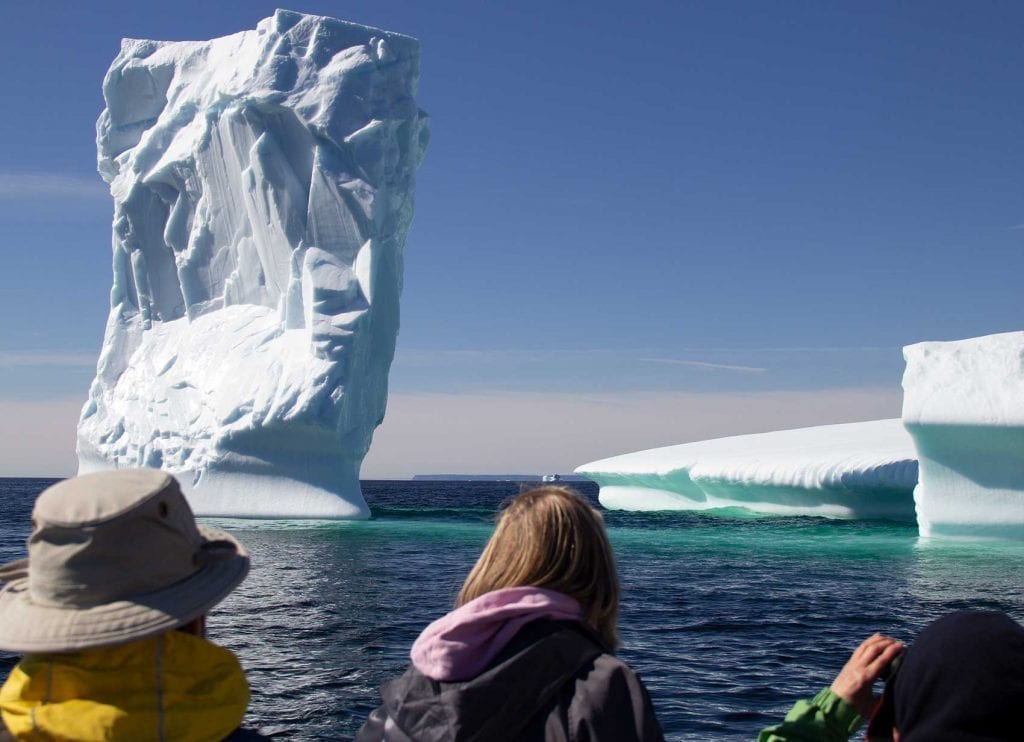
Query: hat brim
[[29, 628]]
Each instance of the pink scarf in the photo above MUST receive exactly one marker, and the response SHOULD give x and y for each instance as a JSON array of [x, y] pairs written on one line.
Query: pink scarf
[[459, 646]]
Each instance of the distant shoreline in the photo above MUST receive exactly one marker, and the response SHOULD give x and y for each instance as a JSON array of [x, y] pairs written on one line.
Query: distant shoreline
[[495, 478]]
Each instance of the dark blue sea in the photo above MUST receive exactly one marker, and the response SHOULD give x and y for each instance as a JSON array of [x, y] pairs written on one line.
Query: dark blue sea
[[727, 619]]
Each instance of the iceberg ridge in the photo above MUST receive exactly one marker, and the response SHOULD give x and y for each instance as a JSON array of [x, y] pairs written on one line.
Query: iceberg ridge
[[853, 470]]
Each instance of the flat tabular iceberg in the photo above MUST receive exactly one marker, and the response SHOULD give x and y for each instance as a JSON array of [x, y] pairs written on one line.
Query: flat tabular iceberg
[[263, 187], [955, 460], [963, 404], [856, 470]]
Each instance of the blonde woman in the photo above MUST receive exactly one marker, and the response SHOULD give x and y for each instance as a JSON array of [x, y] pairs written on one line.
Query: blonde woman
[[526, 654]]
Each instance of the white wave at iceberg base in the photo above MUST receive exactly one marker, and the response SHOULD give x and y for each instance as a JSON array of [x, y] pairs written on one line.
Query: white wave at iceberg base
[[327, 489]]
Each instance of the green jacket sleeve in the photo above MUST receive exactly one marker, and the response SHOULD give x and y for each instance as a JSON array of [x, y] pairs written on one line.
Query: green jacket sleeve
[[824, 718]]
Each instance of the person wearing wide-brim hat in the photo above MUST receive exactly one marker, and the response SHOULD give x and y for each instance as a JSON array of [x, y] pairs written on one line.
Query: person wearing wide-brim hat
[[109, 610]]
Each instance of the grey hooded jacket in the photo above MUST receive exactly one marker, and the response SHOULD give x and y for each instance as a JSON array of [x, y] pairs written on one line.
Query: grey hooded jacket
[[554, 682]]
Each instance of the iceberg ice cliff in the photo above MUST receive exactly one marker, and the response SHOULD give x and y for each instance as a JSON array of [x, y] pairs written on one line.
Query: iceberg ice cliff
[[263, 187], [955, 460], [963, 403], [855, 470]]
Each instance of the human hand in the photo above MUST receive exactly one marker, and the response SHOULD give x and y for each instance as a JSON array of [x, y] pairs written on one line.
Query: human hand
[[868, 661]]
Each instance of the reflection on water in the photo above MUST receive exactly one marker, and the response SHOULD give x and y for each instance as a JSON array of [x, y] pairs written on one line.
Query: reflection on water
[[329, 614], [945, 575], [728, 621]]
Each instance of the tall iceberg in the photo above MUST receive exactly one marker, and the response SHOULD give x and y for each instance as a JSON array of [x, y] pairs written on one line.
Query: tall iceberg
[[963, 403], [263, 187]]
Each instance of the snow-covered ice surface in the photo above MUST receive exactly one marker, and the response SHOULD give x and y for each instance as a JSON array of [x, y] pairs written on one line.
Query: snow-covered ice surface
[[263, 187], [855, 470], [963, 404]]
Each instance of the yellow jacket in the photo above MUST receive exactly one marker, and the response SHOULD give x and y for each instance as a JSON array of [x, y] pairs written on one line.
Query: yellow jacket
[[175, 686]]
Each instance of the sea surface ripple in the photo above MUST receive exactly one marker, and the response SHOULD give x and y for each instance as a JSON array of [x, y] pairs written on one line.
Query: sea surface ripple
[[727, 619]]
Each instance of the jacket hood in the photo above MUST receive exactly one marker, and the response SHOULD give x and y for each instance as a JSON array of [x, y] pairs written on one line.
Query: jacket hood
[[504, 701], [461, 644]]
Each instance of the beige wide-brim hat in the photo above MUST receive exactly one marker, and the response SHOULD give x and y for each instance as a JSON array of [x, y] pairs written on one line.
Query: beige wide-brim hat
[[113, 557]]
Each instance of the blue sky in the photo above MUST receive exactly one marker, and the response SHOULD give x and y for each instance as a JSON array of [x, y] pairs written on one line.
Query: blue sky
[[636, 224]]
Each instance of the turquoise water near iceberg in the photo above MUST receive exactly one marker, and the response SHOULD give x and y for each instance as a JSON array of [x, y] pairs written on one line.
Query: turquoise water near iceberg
[[727, 619]]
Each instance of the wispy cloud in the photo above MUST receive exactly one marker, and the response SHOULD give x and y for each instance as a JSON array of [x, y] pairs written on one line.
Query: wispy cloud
[[446, 355], [23, 185], [706, 364], [797, 349], [46, 358], [428, 357]]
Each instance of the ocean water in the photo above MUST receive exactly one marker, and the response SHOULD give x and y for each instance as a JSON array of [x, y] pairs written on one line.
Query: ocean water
[[727, 619]]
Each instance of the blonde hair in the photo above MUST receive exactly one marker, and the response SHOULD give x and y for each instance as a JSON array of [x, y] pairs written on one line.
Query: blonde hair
[[551, 537]]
